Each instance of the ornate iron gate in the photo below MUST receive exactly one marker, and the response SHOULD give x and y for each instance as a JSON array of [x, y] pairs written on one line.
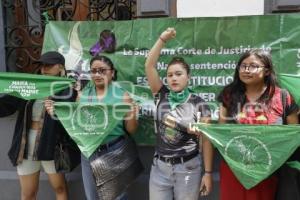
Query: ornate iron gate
[[24, 23]]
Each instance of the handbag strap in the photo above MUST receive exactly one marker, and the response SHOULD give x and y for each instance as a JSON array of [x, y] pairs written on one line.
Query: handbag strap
[[283, 94]]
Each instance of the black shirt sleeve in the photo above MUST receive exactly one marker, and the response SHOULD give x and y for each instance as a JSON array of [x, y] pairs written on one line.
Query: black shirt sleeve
[[9, 105]]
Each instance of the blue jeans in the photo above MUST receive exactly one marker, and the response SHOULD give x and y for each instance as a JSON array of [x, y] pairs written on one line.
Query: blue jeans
[[180, 181], [89, 184]]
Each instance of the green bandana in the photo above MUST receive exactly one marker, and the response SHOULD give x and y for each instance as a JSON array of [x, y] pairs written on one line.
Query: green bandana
[[88, 124], [251, 151], [32, 86], [177, 98]]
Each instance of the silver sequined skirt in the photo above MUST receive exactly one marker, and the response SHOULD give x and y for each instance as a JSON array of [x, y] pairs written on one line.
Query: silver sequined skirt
[[116, 169]]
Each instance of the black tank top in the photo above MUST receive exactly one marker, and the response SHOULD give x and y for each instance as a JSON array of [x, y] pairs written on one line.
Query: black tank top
[[176, 142]]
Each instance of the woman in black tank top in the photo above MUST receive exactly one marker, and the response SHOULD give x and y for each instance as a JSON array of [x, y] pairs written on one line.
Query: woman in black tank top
[[177, 157]]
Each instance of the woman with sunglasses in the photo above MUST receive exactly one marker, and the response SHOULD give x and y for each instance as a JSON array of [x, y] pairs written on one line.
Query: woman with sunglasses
[[107, 170], [177, 163], [253, 98]]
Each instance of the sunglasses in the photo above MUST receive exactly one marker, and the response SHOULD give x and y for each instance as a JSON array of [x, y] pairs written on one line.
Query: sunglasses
[[100, 71]]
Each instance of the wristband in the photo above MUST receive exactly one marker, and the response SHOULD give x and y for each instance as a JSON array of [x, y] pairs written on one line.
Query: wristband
[[163, 40], [208, 172]]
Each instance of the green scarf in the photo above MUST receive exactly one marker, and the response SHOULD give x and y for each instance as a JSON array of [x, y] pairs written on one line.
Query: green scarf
[[251, 151], [32, 86], [177, 98], [90, 123]]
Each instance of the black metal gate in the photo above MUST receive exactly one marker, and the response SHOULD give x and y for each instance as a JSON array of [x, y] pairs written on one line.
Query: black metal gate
[[24, 23]]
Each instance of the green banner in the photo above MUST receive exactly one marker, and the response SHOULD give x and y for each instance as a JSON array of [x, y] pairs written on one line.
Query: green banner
[[292, 84], [143, 97], [140, 94], [32, 86], [253, 152], [89, 124], [212, 47]]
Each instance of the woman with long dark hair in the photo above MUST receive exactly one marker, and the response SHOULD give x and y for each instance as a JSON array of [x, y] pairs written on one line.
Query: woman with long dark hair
[[108, 166], [253, 98]]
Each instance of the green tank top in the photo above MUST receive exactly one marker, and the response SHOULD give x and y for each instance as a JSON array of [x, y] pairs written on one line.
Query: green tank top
[[114, 94]]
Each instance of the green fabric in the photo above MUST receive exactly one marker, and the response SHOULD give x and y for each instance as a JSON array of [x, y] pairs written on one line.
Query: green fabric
[[89, 124], [140, 94], [212, 47], [177, 98], [291, 83], [32, 86], [253, 152], [294, 164], [114, 95]]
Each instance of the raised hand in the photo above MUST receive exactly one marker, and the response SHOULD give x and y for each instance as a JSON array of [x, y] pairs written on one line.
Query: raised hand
[[168, 34]]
